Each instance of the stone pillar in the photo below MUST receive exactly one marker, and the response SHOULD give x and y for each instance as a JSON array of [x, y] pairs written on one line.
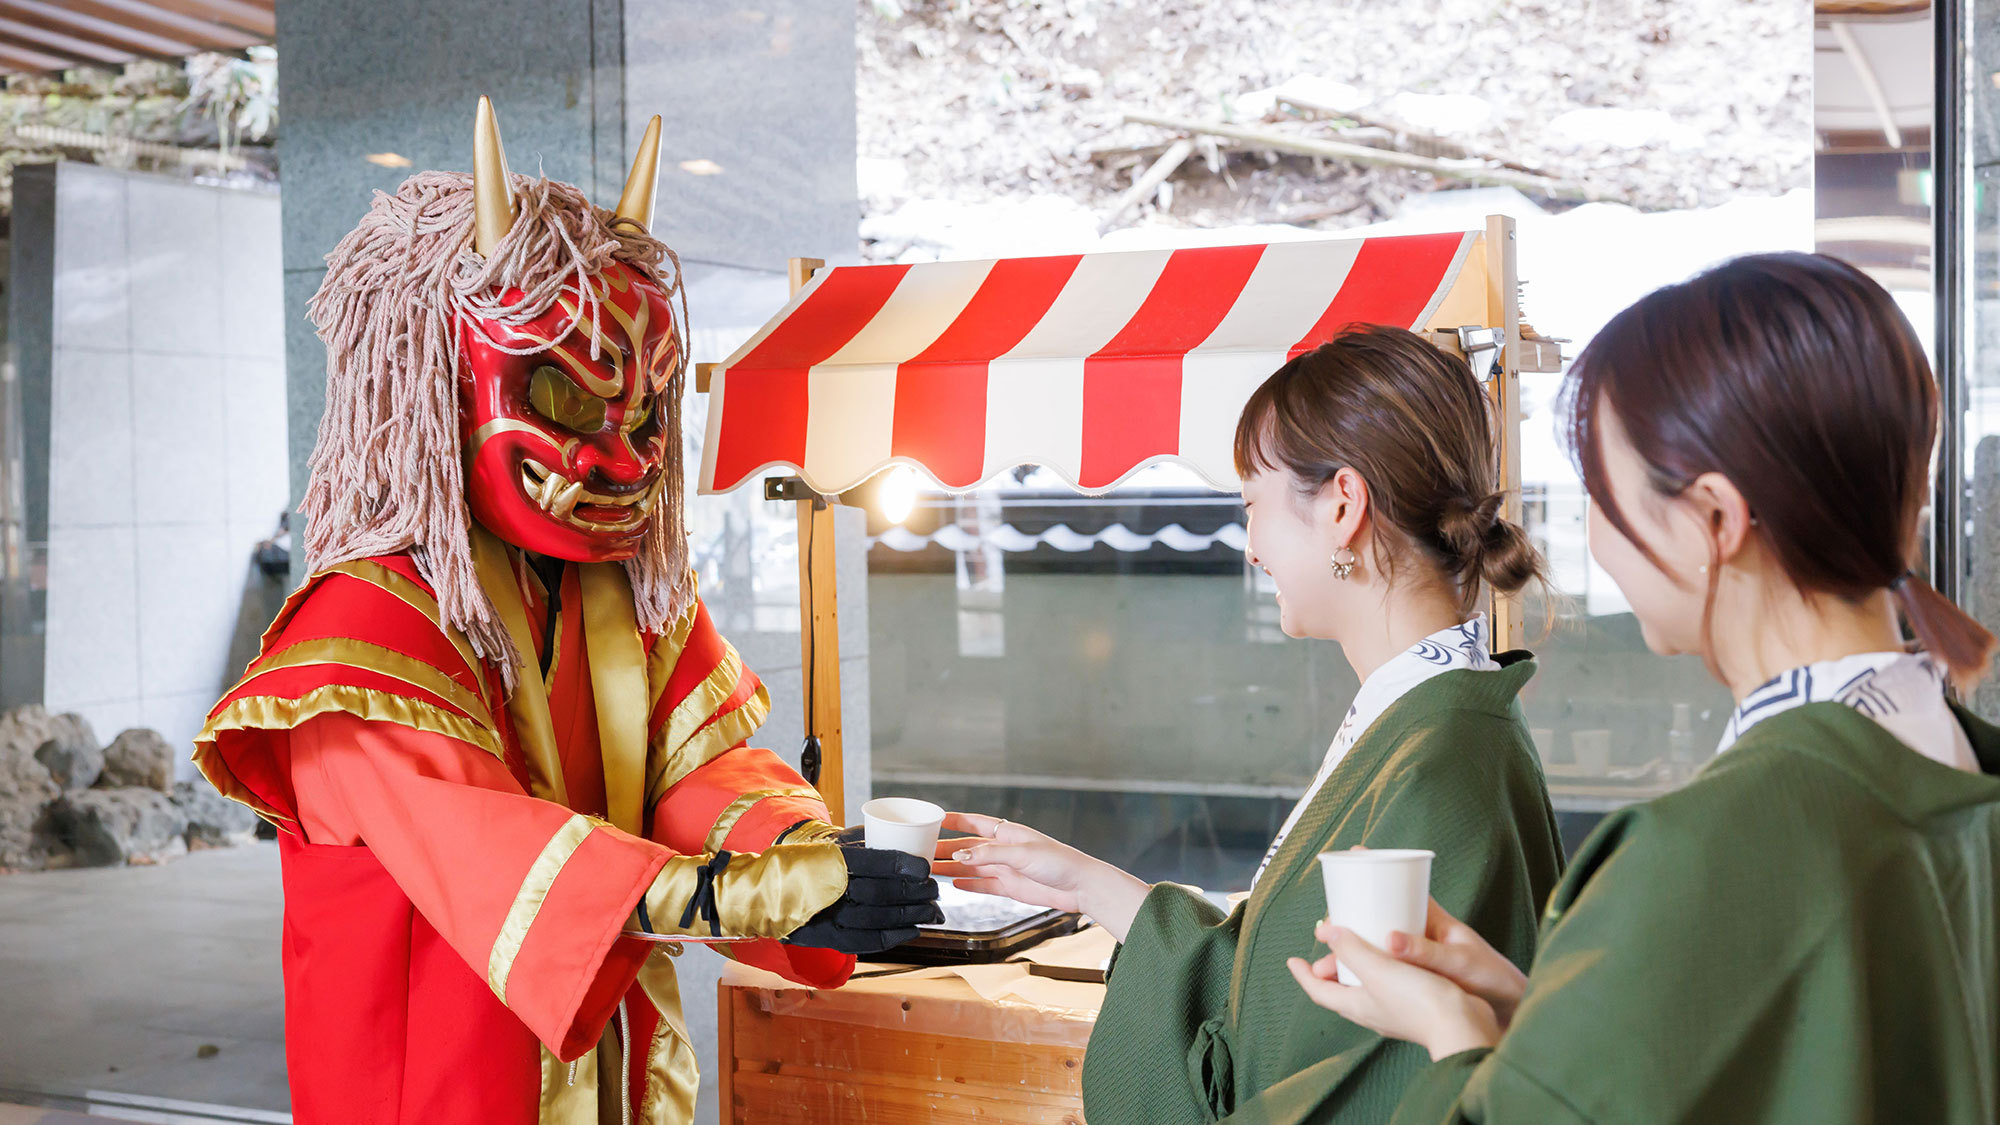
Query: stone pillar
[[400, 84]]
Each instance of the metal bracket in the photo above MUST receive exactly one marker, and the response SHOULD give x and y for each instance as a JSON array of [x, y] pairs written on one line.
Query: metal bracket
[[1481, 347], [792, 488]]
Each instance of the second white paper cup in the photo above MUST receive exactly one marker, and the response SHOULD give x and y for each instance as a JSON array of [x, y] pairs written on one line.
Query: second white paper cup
[[1375, 893], [903, 824]]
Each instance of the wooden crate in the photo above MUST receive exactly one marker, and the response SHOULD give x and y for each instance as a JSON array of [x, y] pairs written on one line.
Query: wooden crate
[[884, 1057]]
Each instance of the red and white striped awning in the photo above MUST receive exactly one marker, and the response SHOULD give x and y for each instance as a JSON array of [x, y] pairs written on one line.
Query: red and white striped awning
[[1093, 365]]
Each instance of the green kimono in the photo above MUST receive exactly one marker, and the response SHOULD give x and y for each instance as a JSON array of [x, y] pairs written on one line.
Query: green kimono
[[1808, 932], [1203, 1022]]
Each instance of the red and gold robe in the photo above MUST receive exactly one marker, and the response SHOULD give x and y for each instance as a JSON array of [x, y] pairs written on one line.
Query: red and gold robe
[[460, 868]]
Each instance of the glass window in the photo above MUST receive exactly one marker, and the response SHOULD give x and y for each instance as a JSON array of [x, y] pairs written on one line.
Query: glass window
[[1967, 192]]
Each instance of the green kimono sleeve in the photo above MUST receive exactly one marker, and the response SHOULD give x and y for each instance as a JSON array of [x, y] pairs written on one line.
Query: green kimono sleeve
[[1694, 966], [1468, 790], [1171, 980], [1434, 1097]]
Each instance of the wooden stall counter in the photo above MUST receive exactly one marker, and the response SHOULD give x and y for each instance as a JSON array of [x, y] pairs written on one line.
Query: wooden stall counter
[[975, 1044]]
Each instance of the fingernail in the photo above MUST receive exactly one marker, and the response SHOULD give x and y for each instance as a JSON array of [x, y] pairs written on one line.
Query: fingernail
[[962, 856]]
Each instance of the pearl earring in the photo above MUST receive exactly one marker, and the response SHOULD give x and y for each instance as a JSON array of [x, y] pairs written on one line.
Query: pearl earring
[[1343, 569]]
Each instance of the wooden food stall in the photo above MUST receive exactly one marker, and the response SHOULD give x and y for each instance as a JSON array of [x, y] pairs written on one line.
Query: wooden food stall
[[1091, 365]]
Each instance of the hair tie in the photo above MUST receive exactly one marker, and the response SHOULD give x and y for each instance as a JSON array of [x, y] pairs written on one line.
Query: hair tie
[[1901, 580]]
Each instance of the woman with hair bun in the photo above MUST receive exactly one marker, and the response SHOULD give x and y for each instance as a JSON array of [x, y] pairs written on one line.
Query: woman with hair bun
[[1809, 931], [1368, 472]]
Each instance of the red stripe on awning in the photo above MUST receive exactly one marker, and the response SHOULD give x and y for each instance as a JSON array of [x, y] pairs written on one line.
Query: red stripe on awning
[[1391, 281], [773, 375], [1132, 385], [940, 419]]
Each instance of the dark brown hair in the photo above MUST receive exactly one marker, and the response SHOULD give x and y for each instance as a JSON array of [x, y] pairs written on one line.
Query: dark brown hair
[[1796, 377], [1418, 428]]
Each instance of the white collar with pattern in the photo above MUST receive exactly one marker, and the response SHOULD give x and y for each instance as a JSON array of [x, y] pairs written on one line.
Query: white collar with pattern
[[1462, 646], [1903, 692]]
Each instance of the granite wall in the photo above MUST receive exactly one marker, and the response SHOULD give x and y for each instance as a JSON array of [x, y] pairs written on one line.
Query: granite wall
[[153, 400]]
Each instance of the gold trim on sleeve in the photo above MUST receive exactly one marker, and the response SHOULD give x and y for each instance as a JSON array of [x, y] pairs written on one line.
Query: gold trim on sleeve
[[667, 653], [352, 653], [683, 744], [528, 900], [766, 895], [726, 823], [411, 594], [273, 712]]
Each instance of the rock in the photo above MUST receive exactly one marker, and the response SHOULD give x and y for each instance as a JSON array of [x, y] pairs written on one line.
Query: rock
[[102, 827], [26, 728], [26, 789], [213, 819], [138, 757], [71, 753]]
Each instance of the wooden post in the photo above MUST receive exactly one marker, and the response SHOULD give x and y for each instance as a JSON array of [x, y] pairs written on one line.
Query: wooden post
[[725, 1040], [819, 622], [1503, 311]]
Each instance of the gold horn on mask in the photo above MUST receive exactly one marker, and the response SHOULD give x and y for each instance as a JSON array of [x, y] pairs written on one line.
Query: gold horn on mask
[[636, 203], [492, 187]]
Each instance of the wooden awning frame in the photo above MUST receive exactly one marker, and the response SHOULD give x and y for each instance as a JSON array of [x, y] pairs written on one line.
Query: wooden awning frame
[[48, 36], [819, 630]]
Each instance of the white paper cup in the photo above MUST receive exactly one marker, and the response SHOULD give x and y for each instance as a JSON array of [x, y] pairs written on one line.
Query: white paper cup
[[903, 824], [1374, 893]]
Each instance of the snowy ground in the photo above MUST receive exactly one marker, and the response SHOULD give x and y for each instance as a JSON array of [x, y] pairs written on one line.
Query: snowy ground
[[1662, 104]]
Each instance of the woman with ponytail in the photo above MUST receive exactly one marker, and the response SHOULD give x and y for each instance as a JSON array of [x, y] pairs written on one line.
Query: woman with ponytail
[[1810, 931], [1368, 472]]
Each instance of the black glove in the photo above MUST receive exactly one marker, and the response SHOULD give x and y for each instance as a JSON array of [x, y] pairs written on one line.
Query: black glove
[[853, 836], [888, 895]]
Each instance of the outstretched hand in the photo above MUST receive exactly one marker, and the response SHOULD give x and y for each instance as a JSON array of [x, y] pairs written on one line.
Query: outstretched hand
[[1005, 858], [889, 894]]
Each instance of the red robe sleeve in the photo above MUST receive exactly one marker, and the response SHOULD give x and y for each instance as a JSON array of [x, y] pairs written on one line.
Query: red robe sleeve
[[532, 895], [709, 790]]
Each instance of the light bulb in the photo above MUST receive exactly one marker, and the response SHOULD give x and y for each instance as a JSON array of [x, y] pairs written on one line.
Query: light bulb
[[897, 494]]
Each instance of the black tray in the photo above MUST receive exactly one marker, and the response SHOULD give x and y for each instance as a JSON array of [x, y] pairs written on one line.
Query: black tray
[[938, 945]]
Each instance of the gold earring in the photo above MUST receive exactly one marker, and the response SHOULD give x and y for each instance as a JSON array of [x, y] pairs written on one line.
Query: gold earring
[[1343, 569]]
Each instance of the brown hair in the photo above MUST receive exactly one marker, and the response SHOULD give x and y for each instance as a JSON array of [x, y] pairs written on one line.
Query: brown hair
[[1418, 428], [1796, 377]]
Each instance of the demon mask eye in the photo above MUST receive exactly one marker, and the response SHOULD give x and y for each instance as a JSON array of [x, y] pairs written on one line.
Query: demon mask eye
[[637, 417], [555, 396]]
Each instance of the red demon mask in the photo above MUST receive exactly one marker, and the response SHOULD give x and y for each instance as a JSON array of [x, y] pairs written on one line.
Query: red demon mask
[[564, 449], [560, 417]]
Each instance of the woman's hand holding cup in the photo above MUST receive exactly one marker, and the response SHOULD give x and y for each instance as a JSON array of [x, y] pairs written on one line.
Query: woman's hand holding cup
[[1455, 951]]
